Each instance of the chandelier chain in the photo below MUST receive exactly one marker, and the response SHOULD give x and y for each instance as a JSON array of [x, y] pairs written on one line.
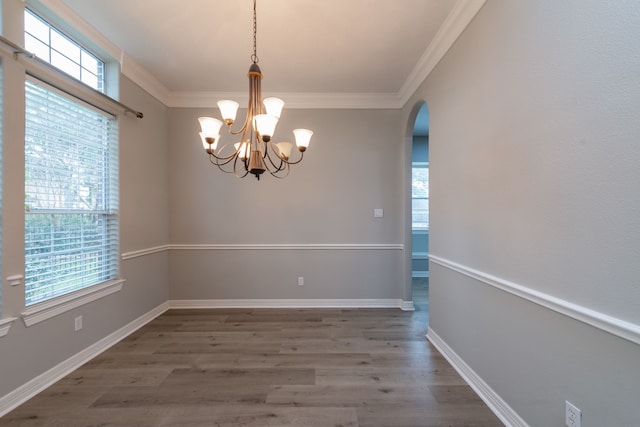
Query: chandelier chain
[[254, 57]]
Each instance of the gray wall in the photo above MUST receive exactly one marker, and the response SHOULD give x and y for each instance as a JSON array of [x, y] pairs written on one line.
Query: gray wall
[[28, 352], [534, 166], [352, 166]]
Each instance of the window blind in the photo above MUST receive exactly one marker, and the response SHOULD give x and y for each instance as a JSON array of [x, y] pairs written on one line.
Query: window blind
[[71, 194], [1, 173]]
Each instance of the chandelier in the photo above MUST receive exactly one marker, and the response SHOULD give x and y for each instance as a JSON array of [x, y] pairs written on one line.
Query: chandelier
[[255, 153]]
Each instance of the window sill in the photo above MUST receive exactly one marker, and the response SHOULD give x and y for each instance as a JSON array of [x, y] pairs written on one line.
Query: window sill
[[5, 325], [48, 309]]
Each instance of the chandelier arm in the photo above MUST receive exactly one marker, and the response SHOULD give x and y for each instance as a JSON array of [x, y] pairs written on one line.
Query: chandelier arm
[[287, 169], [278, 167], [297, 161], [235, 168], [245, 125], [220, 161], [224, 159], [220, 167], [239, 131]]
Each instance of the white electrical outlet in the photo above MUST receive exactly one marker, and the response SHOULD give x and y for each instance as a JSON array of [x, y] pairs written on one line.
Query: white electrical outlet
[[378, 213], [300, 281], [77, 324], [572, 415]]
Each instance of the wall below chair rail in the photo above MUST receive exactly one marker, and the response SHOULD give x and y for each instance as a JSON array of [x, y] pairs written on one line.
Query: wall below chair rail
[[354, 273], [513, 343]]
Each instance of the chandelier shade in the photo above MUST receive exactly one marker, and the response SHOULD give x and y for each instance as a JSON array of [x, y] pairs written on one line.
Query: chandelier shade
[[255, 153], [228, 110], [273, 106]]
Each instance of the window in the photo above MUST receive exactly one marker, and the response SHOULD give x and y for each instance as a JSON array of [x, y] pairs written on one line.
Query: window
[[71, 194], [420, 196], [57, 49]]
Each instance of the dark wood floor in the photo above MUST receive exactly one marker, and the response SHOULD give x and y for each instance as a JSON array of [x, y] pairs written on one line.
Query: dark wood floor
[[270, 367]]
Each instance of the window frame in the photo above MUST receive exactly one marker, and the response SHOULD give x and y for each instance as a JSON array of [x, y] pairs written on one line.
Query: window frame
[[82, 93], [50, 51]]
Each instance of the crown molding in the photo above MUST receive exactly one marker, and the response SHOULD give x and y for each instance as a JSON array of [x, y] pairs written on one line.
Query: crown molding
[[143, 78], [460, 16], [455, 23], [310, 100]]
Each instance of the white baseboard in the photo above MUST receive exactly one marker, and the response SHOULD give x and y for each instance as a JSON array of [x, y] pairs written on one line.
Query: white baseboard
[[48, 378], [499, 407], [408, 306], [288, 303]]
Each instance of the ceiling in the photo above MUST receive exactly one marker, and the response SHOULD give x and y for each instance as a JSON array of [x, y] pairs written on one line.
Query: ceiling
[[371, 49]]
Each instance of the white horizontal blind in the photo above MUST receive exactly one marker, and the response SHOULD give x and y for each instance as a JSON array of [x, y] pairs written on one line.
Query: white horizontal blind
[[71, 194], [1, 187]]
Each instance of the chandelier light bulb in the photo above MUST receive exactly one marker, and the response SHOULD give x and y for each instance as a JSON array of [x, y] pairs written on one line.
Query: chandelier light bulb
[[273, 106], [265, 125], [210, 127], [228, 110], [285, 149], [303, 137], [206, 144]]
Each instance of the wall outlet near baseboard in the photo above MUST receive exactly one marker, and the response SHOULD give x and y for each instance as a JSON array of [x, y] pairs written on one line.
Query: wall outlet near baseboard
[[572, 415], [77, 323], [300, 281]]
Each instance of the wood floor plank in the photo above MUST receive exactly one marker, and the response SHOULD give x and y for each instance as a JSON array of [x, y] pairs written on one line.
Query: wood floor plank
[[261, 416], [213, 347], [350, 395], [117, 376], [198, 394], [344, 345], [436, 415], [240, 376], [459, 393], [111, 360], [290, 360], [265, 367], [387, 376]]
